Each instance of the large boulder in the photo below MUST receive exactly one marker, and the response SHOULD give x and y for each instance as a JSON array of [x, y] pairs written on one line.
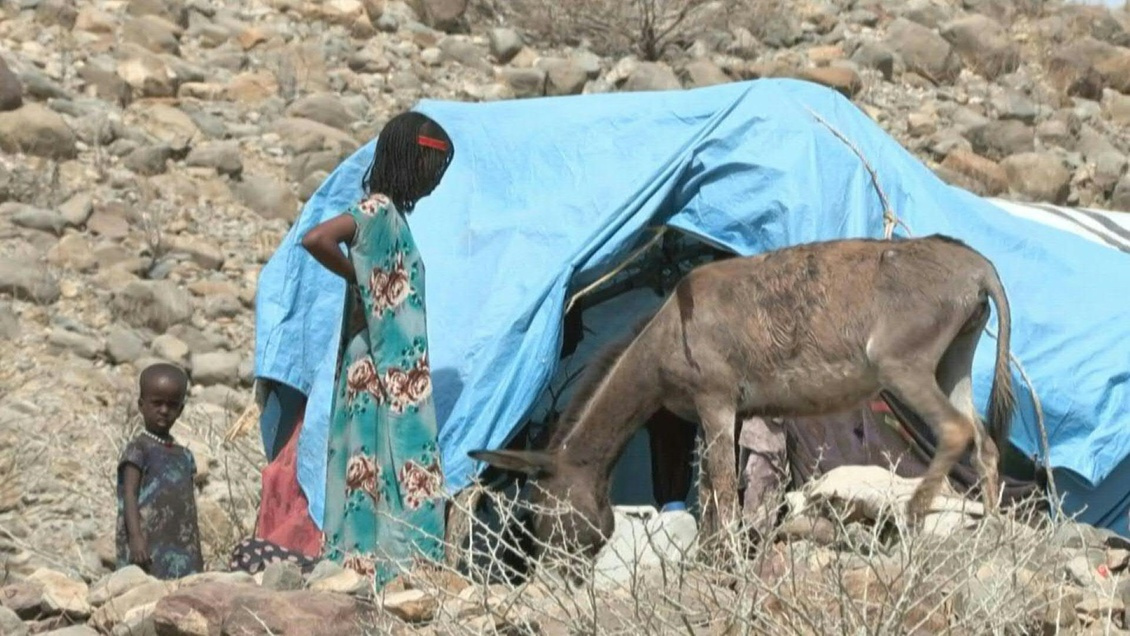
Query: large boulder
[[924, 51], [35, 129], [208, 607]]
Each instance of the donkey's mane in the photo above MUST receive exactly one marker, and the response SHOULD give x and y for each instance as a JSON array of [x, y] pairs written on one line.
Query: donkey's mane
[[595, 370]]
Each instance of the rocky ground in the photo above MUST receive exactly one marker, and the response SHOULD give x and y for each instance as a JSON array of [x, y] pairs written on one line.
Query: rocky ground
[[840, 563], [155, 152]]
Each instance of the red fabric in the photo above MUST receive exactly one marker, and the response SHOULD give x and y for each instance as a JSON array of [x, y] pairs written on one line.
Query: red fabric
[[284, 517]]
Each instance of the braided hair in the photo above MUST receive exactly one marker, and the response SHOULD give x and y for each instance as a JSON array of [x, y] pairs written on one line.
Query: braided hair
[[410, 158]]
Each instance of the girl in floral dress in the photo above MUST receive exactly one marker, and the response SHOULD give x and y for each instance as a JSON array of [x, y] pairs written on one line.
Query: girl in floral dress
[[384, 509]]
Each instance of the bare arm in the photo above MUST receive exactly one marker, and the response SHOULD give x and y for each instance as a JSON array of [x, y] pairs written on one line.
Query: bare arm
[[138, 546], [324, 244]]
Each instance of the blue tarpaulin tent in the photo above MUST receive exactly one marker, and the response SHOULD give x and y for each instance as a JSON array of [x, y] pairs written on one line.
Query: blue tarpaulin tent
[[545, 195]]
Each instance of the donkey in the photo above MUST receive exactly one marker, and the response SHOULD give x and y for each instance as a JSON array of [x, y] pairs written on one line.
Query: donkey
[[804, 330]]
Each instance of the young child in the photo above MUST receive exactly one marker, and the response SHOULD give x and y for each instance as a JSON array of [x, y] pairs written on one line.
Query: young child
[[157, 526]]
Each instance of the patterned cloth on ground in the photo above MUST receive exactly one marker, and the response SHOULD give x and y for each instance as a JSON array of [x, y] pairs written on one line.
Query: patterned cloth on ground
[[253, 555]]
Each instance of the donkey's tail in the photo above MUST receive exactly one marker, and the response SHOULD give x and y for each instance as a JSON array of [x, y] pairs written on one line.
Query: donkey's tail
[[1002, 398]]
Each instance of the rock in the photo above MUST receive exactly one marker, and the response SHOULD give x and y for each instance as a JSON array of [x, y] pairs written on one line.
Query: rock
[[10, 623], [323, 570], [168, 347], [411, 606], [222, 156], [145, 593], [11, 90], [37, 130], [1096, 607], [444, 15], [325, 108], [153, 33], [845, 80], [137, 622], [33, 218], [465, 52], [1116, 107], [268, 197], [202, 609], [652, 76], [76, 210], [23, 598], [73, 630], [986, 172], [1120, 197], [877, 56], [9, 330], [566, 78], [803, 528], [996, 140], [925, 12], [252, 87], [1011, 104], [924, 51], [780, 29], [983, 44], [27, 280], [82, 345], [149, 161], [302, 135], [744, 44], [146, 74], [166, 124], [72, 252], [117, 584], [202, 251], [344, 582], [1038, 176], [220, 367], [156, 305], [1059, 614], [62, 594], [43, 88], [703, 72], [526, 82], [504, 44], [1115, 71], [282, 576], [1073, 67], [175, 11], [343, 12]]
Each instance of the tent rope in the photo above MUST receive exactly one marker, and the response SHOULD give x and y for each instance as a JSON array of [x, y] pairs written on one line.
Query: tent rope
[[890, 221], [587, 289]]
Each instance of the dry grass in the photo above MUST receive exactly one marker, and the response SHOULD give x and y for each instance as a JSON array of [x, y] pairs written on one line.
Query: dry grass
[[646, 28], [853, 575]]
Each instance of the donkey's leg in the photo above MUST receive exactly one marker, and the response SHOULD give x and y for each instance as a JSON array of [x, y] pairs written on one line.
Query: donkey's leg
[[952, 428], [955, 378], [718, 417]]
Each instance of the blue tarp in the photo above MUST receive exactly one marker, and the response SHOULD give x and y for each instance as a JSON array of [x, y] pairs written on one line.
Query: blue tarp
[[544, 195]]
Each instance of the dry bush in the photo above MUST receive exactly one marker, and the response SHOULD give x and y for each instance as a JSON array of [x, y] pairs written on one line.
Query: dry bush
[[647, 28], [996, 576]]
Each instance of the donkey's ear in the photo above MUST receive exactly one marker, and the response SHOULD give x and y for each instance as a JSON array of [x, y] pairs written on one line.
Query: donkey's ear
[[534, 463]]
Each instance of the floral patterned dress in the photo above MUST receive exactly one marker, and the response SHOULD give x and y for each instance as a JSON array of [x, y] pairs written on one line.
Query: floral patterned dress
[[384, 510]]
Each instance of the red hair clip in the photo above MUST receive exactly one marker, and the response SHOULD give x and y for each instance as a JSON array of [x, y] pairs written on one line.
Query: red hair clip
[[432, 142]]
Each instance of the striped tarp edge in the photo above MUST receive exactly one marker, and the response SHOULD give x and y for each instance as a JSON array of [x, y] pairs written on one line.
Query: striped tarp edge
[[1104, 227]]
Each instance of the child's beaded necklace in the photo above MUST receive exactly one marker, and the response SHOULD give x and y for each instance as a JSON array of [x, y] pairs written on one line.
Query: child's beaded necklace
[[165, 441]]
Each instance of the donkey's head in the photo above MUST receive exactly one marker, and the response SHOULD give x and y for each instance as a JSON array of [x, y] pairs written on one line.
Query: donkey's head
[[579, 519]]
